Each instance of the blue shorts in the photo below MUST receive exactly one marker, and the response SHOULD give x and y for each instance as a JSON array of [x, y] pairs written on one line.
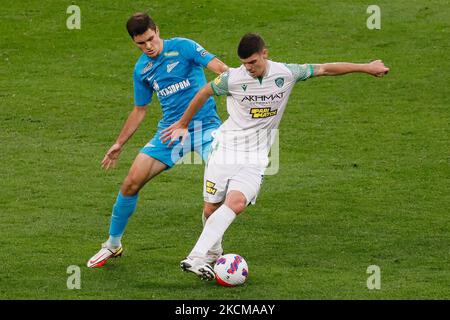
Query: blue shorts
[[199, 141]]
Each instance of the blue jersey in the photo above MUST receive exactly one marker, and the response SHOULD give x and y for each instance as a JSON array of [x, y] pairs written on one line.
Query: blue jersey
[[175, 75]]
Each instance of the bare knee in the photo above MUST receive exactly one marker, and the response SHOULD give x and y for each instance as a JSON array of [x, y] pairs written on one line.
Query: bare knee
[[144, 168], [236, 201], [131, 185]]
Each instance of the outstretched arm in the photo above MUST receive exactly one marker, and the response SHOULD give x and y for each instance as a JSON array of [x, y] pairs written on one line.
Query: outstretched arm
[[134, 120], [217, 66], [375, 68], [179, 129]]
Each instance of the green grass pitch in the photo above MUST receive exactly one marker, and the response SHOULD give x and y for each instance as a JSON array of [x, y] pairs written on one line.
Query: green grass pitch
[[364, 173]]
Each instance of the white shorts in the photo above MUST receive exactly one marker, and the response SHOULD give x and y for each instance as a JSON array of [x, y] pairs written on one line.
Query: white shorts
[[221, 177]]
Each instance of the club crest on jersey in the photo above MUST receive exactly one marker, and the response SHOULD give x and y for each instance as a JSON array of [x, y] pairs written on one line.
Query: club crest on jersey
[[279, 82], [262, 112], [210, 187], [170, 66], [147, 67]]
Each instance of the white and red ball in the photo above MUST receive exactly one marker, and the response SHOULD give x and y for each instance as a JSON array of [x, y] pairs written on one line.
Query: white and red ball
[[231, 270]]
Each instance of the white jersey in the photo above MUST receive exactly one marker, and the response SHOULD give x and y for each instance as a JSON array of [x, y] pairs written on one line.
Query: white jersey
[[256, 105]]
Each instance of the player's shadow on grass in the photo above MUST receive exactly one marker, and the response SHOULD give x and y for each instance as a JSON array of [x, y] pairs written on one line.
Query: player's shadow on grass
[[172, 285]]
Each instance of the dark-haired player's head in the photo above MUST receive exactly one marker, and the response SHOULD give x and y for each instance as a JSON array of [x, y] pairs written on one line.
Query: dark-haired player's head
[[144, 32], [253, 54]]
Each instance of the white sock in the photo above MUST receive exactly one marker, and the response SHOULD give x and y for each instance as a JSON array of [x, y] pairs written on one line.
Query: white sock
[[214, 228], [203, 218], [218, 245]]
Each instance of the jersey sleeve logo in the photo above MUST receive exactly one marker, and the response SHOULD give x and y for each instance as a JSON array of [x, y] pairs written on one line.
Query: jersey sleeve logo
[[201, 50], [218, 79]]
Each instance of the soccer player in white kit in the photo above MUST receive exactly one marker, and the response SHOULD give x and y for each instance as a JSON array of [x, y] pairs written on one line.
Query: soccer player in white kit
[[257, 94]]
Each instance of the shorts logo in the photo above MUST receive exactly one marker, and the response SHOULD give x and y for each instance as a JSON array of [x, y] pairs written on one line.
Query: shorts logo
[[279, 82], [210, 187], [262, 112]]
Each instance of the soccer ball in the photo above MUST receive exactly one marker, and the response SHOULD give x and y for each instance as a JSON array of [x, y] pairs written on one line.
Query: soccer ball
[[231, 270]]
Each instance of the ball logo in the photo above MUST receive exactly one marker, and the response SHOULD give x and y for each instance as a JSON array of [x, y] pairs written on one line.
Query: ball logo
[[234, 265]]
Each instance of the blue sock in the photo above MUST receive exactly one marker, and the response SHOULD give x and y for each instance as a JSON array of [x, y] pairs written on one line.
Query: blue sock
[[114, 242], [122, 211]]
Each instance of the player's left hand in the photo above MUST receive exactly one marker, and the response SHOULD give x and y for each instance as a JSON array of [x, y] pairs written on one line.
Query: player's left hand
[[377, 68], [175, 132]]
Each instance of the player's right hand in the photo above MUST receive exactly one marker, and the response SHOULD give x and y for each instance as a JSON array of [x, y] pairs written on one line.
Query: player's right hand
[[176, 132], [111, 156], [377, 68]]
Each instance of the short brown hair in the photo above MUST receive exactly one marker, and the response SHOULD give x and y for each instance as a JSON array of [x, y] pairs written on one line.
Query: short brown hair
[[250, 43], [139, 23]]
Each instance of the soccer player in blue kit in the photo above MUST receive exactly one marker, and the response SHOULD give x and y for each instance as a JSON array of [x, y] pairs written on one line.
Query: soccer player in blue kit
[[173, 69]]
